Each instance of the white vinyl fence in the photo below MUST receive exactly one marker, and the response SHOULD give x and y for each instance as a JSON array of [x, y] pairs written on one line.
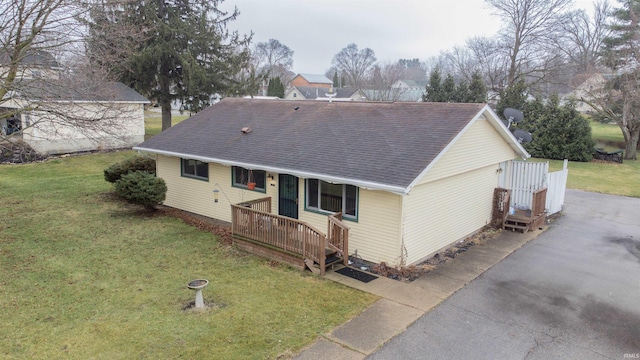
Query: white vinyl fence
[[557, 185], [524, 177]]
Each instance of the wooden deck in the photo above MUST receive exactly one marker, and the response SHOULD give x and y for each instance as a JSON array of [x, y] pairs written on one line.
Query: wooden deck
[[525, 220], [253, 221]]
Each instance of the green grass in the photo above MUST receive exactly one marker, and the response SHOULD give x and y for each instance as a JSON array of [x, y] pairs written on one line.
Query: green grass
[[153, 122], [598, 176], [87, 276], [607, 136], [608, 178]]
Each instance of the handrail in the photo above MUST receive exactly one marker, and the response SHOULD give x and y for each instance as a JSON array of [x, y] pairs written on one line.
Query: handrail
[[279, 231], [263, 204], [539, 202], [338, 236]]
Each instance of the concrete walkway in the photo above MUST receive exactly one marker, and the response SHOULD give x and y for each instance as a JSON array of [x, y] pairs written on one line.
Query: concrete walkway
[[403, 303]]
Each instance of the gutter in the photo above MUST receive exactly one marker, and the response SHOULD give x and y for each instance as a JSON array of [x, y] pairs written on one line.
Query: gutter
[[303, 174]]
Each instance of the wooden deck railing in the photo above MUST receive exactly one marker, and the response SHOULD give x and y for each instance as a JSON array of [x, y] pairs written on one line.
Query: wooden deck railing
[[538, 202], [253, 220], [501, 198], [263, 204], [338, 236], [278, 231]]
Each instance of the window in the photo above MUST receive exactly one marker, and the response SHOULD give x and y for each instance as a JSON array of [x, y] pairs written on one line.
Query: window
[[326, 197], [242, 176], [195, 169]]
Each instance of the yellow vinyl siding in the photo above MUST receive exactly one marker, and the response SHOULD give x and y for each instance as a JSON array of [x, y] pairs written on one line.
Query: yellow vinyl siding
[[197, 195], [376, 235], [479, 146], [439, 213]]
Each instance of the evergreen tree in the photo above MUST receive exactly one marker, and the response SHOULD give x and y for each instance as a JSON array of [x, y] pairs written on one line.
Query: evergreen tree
[[462, 93], [559, 132], [515, 96], [433, 91], [477, 89], [448, 89], [275, 88], [270, 90], [184, 52], [336, 80]]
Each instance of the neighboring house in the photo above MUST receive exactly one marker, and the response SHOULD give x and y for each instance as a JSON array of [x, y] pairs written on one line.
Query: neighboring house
[[410, 84], [401, 90], [35, 65], [311, 80], [410, 179], [393, 94], [307, 93], [53, 118], [587, 86]]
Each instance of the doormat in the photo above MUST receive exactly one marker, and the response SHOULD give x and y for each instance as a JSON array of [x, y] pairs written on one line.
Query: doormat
[[356, 274]]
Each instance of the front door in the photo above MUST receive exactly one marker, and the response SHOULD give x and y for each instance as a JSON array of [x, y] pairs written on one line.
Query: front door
[[288, 196]]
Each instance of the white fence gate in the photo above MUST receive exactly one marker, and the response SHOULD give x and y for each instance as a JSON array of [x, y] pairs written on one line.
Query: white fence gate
[[556, 187], [524, 177]]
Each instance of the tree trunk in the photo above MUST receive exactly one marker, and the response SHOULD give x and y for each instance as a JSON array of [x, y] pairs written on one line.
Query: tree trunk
[[631, 146], [166, 115]]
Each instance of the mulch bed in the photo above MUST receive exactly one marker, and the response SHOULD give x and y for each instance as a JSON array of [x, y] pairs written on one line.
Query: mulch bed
[[412, 272]]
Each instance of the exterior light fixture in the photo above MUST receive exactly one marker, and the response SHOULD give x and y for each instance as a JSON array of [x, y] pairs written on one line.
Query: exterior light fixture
[[270, 177]]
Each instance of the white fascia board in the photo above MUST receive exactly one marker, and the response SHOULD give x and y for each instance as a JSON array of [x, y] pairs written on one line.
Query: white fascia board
[[302, 174], [494, 120], [489, 115], [446, 148]]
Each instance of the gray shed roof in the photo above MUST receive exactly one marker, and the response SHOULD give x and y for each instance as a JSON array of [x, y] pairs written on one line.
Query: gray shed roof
[[369, 144], [79, 91]]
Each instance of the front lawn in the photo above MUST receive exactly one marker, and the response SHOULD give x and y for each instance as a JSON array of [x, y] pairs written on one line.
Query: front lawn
[[87, 276], [153, 122]]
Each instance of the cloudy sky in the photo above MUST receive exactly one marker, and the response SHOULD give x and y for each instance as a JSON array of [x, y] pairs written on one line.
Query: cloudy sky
[[394, 29]]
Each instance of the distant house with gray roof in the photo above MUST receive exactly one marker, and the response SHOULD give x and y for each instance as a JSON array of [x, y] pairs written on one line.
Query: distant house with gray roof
[[407, 179]]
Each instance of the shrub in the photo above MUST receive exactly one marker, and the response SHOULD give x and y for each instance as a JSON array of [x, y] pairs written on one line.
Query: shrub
[[559, 131], [138, 163], [142, 188]]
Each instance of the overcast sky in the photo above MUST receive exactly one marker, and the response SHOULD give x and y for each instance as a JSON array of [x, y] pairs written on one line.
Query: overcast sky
[[316, 30]]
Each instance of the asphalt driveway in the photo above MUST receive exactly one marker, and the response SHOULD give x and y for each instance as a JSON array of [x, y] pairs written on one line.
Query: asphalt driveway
[[572, 293]]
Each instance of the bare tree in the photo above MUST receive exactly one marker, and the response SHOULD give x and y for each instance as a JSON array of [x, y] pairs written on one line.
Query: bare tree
[[529, 30], [582, 36], [42, 98], [274, 58], [381, 85], [413, 69], [618, 100], [354, 64]]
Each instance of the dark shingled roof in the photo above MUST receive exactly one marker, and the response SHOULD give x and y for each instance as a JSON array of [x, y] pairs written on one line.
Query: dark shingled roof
[[387, 145]]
